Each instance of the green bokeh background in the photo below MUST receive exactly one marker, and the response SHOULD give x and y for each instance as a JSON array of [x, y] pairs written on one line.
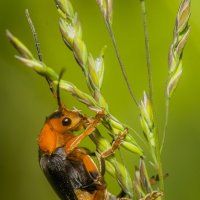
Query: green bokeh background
[[25, 98]]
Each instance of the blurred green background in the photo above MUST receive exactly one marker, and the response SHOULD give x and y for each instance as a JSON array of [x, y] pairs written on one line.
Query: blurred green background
[[25, 98]]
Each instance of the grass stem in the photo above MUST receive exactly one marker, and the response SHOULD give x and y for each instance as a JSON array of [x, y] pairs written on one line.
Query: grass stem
[[166, 122], [144, 19], [150, 84], [121, 63], [160, 171]]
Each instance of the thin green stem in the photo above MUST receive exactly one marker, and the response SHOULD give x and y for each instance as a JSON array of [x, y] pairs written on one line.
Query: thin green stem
[[158, 162], [148, 60], [166, 123], [159, 166], [121, 63], [144, 19]]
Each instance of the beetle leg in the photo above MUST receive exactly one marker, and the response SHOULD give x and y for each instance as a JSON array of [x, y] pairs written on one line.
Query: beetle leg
[[102, 165], [100, 194], [74, 142], [115, 145]]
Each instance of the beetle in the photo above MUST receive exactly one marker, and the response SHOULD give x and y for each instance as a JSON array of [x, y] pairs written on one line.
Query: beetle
[[70, 169]]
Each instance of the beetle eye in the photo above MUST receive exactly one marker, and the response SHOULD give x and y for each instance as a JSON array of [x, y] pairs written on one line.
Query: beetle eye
[[66, 121]]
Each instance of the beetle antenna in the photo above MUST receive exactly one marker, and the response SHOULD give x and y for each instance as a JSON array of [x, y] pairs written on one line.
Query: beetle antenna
[[37, 44], [58, 88]]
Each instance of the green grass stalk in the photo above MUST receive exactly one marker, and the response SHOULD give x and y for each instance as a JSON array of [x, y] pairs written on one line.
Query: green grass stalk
[[110, 30], [147, 49]]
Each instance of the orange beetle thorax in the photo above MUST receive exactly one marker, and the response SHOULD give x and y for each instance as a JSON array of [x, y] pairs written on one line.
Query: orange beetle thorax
[[58, 130], [47, 139]]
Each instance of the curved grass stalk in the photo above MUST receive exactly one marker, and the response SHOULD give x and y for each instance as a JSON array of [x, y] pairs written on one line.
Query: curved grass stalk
[[111, 33], [175, 57], [106, 7]]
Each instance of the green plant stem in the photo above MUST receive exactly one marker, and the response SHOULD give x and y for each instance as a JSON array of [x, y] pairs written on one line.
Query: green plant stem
[[121, 63], [144, 19], [166, 122], [159, 165], [158, 154]]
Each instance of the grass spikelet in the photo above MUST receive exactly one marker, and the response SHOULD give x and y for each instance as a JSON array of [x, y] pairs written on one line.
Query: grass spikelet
[[181, 33], [147, 120], [106, 7]]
